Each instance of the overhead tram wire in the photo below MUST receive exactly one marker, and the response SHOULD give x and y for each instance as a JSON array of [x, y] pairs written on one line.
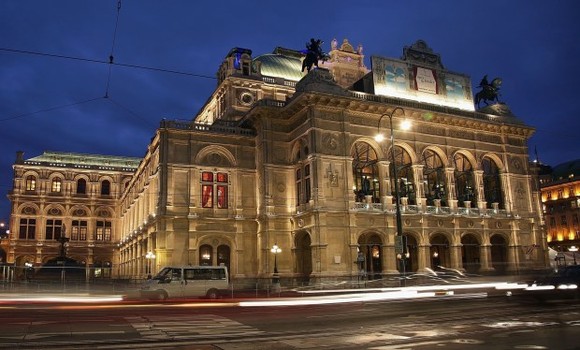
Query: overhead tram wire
[[37, 53], [50, 109], [111, 57], [128, 110]]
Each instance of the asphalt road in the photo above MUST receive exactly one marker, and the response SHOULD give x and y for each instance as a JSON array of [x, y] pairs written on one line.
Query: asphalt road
[[442, 322]]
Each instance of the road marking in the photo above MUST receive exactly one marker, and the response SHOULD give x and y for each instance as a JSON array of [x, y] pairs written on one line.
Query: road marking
[[187, 327], [36, 336]]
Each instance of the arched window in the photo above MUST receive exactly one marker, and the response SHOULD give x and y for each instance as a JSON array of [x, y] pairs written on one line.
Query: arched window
[[434, 178], [365, 172], [105, 188], [205, 255], [464, 181], [56, 186], [81, 186], [491, 183], [30, 183], [404, 175], [223, 256]]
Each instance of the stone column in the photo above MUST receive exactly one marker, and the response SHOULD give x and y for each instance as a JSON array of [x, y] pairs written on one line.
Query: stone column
[[455, 254], [389, 260], [485, 255], [424, 258], [478, 178]]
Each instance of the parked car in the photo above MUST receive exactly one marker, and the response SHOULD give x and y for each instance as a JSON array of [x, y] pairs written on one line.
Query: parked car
[[186, 281]]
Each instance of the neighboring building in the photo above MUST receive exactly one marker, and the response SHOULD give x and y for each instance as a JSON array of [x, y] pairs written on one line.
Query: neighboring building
[[561, 205], [68, 195], [279, 156]]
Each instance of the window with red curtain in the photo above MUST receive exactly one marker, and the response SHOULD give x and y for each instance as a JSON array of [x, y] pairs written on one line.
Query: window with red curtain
[[214, 183]]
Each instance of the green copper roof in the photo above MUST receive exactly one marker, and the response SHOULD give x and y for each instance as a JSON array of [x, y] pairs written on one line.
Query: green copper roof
[[280, 66], [80, 160]]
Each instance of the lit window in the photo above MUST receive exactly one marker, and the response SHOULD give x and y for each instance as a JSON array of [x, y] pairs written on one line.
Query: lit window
[[30, 183], [103, 232], [214, 183], [56, 185], [205, 255], [79, 230]]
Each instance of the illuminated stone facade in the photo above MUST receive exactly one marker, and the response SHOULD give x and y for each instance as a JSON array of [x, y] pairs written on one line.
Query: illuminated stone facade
[[68, 195], [561, 205], [279, 156], [272, 160]]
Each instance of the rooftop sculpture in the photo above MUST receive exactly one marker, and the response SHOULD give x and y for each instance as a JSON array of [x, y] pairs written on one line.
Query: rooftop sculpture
[[489, 91]]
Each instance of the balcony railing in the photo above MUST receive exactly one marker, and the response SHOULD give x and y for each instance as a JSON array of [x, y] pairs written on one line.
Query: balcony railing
[[430, 209]]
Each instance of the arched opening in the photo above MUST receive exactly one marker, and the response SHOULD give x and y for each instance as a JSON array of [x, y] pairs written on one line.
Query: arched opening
[[464, 181], [404, 175], [370, 249], [365, 173], [105, 188], [303, 244], [434, 178], [470, 253], [440, 254], [205, 255], [492, 184], [81, 186], [499, 253], [223, 256]]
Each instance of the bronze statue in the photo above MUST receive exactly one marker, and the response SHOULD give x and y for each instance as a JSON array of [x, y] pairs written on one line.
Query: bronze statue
[[313, 53], [489, 91]]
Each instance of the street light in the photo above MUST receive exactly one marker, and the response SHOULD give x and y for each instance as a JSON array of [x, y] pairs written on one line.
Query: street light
[[573, 249], [275, 250], [149, 256], [405, 125]]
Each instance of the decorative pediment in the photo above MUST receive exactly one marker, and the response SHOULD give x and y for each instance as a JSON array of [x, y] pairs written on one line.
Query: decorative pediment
[[420, 53]]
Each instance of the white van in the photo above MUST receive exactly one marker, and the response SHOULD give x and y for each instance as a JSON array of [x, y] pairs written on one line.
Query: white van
[[186, 281]]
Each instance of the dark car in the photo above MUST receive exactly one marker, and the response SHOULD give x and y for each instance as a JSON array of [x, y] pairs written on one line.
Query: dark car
[[562, 283]]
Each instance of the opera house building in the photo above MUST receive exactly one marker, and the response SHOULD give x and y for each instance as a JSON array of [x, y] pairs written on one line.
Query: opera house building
[[286, 157]]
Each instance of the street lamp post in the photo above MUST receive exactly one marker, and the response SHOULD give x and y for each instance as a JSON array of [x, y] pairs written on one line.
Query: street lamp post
[[150, 256], [379, 138], [573, 249], [63, 240], [275, 278]]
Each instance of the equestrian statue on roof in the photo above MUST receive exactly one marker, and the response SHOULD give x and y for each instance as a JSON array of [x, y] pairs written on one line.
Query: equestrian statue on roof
[[489, 91], [313, 53]]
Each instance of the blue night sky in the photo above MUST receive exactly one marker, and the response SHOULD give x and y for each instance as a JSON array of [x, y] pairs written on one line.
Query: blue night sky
[[58, 104]]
